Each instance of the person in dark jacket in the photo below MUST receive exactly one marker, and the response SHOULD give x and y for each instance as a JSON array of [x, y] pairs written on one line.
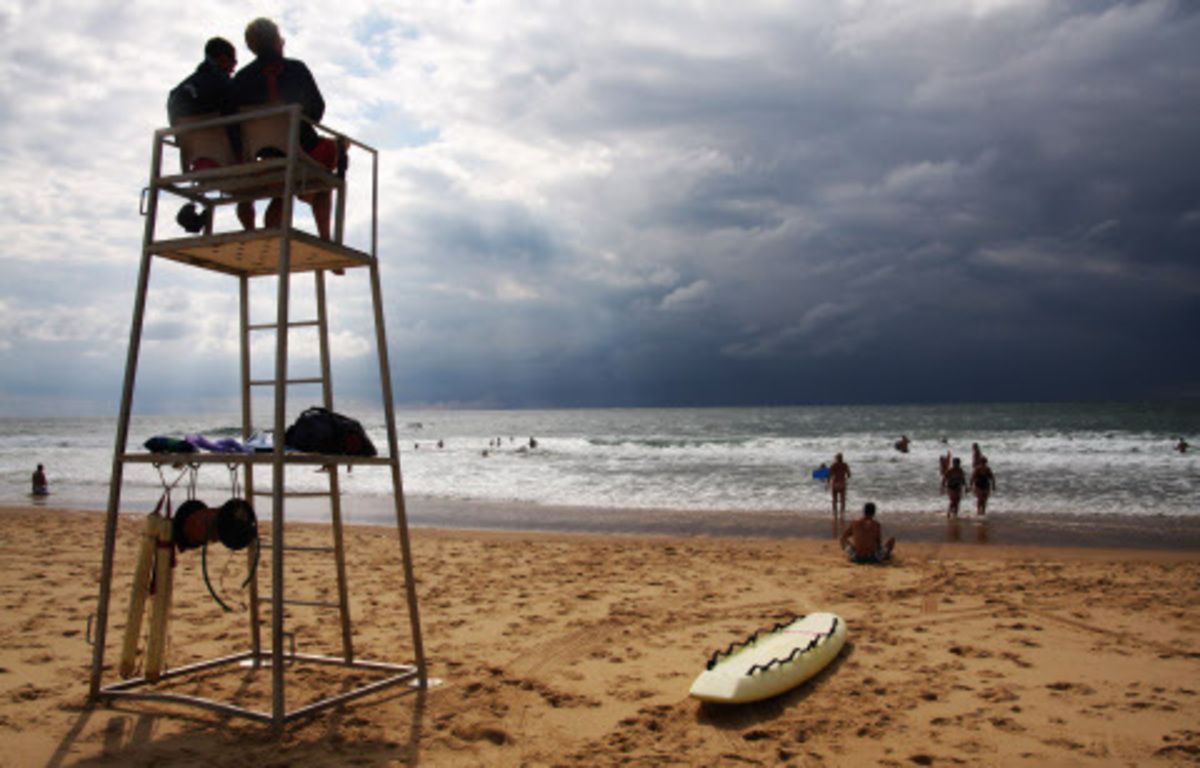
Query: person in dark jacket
[[208, 91], [272, 79]]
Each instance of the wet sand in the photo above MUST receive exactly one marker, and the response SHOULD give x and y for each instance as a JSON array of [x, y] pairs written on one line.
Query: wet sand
[[1020, 527], [573, 649], [1076, 530]]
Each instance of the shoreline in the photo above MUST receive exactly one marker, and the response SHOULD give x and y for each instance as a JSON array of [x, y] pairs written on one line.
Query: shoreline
[[1003, 528], [1015, 529]]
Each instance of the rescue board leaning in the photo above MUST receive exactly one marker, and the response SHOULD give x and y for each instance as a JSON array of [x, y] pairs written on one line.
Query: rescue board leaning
[[771, 661]]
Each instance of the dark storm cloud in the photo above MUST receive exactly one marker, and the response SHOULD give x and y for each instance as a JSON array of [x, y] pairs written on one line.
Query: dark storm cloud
[[649, 204], [1004, 203]]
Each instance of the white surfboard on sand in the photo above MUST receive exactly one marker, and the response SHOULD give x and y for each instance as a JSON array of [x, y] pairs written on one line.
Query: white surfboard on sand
[[772, 661]]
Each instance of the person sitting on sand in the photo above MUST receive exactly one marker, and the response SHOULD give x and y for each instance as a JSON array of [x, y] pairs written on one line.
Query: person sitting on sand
[[40, 486], [863, 539], [952, 485], [984, 482], [839, 475]]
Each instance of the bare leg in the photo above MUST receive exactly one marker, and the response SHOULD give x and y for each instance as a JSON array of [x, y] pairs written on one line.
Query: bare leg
[[322, 207], [245, 214], [274, 214]]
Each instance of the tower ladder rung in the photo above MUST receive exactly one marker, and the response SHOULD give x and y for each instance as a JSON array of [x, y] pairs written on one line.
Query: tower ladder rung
[[296, 494], [271, 382], [273, 326]]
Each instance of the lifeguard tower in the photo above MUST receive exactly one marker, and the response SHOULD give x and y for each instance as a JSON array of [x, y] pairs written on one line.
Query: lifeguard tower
[[245, 255]]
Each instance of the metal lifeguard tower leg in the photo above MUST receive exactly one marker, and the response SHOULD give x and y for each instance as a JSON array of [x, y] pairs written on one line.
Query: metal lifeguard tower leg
[[278, 470], [118, 465], [385, 376]]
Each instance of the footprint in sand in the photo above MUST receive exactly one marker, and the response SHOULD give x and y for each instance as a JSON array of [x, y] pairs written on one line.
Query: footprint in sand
[[482, 732]]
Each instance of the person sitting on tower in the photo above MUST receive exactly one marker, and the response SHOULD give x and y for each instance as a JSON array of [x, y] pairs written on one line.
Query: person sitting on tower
[[272, 79], [208, 91]]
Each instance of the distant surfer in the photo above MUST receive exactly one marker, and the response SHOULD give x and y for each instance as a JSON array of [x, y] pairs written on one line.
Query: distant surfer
[[863, 539], [532, 443], [902, 444], [40, 486], [1181, 446], [984, 482], [839, 477], [952, 484]]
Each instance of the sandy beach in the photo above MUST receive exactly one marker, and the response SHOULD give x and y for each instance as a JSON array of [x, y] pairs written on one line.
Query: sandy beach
[[572, 649]]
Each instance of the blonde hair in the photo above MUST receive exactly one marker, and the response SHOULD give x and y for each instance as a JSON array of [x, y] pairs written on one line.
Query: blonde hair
[[261, 36]]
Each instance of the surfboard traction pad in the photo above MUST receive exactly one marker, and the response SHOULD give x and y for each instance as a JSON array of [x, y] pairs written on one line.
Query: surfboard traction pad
[[799, 650]]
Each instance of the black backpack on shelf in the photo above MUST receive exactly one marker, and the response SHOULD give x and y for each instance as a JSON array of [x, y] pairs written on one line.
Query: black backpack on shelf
[[319, 430]]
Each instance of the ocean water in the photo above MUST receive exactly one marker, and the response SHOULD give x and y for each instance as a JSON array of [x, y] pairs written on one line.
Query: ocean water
[[1049, 459]]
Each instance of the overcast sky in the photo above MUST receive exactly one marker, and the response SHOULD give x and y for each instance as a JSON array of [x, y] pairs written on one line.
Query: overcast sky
[[647, 203]]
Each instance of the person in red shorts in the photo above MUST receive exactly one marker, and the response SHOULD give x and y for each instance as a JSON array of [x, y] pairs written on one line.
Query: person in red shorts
[[273, 79]]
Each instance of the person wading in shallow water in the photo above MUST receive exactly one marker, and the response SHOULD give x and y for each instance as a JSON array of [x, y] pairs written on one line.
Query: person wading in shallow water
[[40, 486], [953, 483], [839, 477], [984, 483]]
